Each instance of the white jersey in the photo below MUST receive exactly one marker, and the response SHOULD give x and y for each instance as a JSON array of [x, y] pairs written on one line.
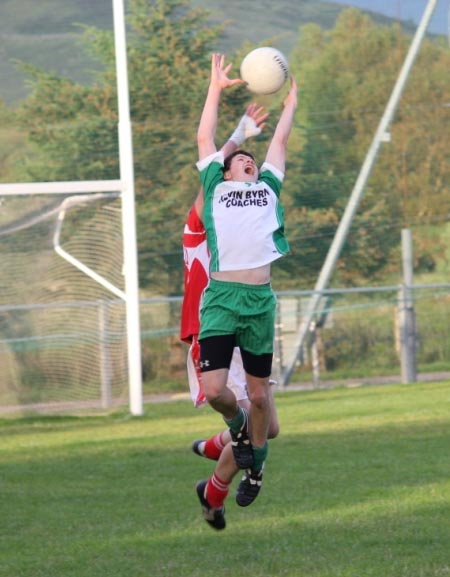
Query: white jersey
[[244, 221]]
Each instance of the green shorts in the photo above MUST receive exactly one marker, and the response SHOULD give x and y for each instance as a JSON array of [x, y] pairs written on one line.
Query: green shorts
[[246, 311]]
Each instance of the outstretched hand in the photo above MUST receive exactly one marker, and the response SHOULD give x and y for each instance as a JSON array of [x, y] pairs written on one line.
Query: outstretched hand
[[258, 114], [249, 125], [220, 71], [291, 98]]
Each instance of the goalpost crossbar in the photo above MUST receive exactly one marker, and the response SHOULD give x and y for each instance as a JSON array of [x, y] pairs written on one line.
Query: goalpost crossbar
[[69, 187]]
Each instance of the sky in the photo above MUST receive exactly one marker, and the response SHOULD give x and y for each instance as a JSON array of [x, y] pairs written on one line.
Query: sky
[[407, 10]]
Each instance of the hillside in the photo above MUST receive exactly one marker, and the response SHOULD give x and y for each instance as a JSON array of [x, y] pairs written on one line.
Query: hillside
[[45, 33]]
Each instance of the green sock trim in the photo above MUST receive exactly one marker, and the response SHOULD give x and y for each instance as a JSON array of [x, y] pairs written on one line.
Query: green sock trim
[[235, 424], [259, 456]]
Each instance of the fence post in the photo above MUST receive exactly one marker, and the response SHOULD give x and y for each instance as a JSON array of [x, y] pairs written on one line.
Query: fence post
[[104, 357], [315, 360], [407, 318]]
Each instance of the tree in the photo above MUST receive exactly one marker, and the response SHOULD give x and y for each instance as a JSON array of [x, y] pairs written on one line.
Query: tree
[[347, 76], [11, 142], [74, 127]]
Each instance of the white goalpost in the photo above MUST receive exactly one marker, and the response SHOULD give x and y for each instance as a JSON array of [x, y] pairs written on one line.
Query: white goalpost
[[109, 204], [128, 213]]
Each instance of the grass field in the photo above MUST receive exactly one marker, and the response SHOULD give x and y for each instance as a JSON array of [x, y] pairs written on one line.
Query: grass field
[[356, 485]]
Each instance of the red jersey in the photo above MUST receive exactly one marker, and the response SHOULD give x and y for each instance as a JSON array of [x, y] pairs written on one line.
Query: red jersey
[[196, 274]]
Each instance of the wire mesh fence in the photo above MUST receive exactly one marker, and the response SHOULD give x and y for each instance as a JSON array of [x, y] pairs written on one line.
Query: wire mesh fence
[[357, 336]]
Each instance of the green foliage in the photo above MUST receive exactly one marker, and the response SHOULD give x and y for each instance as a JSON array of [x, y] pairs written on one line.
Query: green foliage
[[75, 127], [346, 76], [10, 139]]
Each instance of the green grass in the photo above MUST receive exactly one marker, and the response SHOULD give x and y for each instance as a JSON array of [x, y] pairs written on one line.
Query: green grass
[[357, 485]]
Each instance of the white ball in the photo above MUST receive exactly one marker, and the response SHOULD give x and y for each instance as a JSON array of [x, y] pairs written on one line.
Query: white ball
[[265, 70]]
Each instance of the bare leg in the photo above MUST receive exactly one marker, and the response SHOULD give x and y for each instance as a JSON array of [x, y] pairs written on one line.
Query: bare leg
[[274, 425], [211, 448], [260, 409], [226, 466], [215, 489], [218, 394]]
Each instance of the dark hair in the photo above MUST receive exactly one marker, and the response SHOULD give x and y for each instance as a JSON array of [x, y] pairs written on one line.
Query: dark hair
[[229, 158]]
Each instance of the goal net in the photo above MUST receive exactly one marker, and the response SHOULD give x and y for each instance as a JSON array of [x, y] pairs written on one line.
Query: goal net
[[62, 312]]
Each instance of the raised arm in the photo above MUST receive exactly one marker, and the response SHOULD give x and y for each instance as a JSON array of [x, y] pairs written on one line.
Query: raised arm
[[276, 153], [208, 122]]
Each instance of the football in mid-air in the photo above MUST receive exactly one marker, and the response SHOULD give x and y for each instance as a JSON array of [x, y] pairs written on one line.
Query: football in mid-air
[[265, 70]]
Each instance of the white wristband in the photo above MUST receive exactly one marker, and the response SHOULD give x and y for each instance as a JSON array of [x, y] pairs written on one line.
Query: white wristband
[[247, 127]]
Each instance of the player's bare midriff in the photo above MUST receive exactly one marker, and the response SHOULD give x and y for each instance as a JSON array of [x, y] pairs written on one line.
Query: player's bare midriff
[[260, 275]]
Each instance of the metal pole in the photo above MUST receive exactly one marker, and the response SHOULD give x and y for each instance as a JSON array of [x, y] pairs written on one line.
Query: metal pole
[[128, 214], [408, 338], [357, 193], [105, 357]]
